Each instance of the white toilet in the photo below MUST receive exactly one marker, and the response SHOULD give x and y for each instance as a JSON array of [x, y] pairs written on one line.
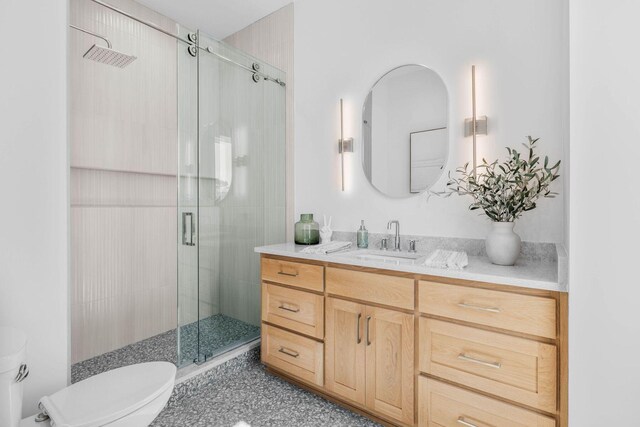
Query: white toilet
[[131, 396]]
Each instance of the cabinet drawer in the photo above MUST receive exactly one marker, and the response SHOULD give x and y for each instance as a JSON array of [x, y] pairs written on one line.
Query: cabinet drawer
[[517, 369], [293, 354], [296, 310], [297, 274], [520, 313], [443, 405], [378, 288]]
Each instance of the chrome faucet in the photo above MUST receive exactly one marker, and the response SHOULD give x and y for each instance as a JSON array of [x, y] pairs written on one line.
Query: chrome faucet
[[396, 242]]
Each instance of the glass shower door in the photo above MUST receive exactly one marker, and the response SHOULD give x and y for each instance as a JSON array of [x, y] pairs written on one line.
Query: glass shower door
[[231, 193], [242, 185]]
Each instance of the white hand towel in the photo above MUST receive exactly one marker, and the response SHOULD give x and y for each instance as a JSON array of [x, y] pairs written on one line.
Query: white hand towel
[[447, 259], [327, 248]]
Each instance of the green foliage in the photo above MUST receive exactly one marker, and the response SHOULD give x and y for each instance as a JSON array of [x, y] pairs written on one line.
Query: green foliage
[[504, 191]]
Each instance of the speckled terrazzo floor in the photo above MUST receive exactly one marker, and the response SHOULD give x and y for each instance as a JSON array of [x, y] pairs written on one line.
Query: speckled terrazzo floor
[[217, 332], [241, 391], [238, 391]]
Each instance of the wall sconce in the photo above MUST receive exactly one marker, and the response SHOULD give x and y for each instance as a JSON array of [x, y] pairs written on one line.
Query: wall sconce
[[344, 145], [475, 125]]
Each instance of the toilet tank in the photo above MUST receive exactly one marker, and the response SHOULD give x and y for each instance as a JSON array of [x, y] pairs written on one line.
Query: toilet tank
[[13, 370]]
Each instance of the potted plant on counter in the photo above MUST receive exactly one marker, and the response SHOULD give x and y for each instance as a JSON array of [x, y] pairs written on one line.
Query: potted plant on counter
[[504, 191]]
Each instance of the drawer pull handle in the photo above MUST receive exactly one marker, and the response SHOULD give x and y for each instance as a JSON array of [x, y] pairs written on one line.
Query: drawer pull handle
[[368, 322], [479, 307], [466, 358], [288, 274], [289, 352], [358, 337], [464, 422], [290, 307]]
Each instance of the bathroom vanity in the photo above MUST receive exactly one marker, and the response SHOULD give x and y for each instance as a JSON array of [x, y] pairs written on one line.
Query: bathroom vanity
[[407, 345]]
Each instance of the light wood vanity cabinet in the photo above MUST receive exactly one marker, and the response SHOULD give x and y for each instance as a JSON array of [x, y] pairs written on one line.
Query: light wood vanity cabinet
[[369, 357], [406, 349]]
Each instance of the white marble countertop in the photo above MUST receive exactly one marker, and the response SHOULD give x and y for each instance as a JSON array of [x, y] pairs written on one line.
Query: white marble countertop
[[526, 273]]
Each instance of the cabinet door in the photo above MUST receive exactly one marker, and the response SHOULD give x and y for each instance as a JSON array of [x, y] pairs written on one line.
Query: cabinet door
[[344, 349], [390, 366]]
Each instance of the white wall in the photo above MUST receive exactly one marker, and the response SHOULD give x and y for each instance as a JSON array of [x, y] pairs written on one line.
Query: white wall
[[342, 48], [33, 187], [604, 319]]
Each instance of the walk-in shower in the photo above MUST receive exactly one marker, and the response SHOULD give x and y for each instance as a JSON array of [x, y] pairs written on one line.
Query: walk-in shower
[[177, 173]]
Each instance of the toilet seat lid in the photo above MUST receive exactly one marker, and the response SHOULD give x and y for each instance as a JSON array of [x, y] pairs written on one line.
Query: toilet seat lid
[[106, 397]]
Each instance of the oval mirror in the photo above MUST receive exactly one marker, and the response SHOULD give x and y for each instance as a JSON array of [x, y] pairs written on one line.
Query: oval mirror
[[405, 131]]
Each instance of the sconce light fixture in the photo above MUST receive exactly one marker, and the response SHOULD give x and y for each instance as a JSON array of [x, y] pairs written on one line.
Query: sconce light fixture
[[344, 145], [475, 125]]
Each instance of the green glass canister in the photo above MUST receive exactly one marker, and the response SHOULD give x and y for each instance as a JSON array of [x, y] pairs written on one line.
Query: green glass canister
[[307, 231]]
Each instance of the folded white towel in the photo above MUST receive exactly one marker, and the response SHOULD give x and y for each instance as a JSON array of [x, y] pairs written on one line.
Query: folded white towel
[[327, 248], [447, 259]]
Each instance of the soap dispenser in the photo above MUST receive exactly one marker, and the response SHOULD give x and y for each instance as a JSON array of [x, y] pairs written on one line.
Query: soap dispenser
[[363, 236]]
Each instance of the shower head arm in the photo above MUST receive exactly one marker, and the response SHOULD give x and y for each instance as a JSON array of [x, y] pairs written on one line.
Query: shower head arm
[[93, 34]]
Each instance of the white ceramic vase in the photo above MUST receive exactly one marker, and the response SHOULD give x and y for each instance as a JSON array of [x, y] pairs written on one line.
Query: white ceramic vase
[[503, 244]]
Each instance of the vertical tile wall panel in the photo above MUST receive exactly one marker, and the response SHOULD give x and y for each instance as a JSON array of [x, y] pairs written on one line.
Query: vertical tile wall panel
[[123, 153], [271, 39], [123, 276], [122, 119], [258, 214]]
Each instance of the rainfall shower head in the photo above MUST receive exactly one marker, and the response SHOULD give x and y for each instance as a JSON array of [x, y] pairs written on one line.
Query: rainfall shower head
[[109, 56], [106, 55]]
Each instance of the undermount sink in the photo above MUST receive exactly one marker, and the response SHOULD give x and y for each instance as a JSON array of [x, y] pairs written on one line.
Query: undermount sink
[[384, 256]]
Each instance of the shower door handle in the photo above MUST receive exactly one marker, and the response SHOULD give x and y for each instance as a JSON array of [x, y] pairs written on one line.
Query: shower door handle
[[188, 229]]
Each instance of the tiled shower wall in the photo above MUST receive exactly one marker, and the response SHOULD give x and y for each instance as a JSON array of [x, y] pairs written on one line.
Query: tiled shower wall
[[271, 40], [123, 149], [263, 214]]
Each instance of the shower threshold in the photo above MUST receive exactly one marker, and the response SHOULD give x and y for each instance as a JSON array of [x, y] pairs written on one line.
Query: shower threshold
[[219, 334]]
